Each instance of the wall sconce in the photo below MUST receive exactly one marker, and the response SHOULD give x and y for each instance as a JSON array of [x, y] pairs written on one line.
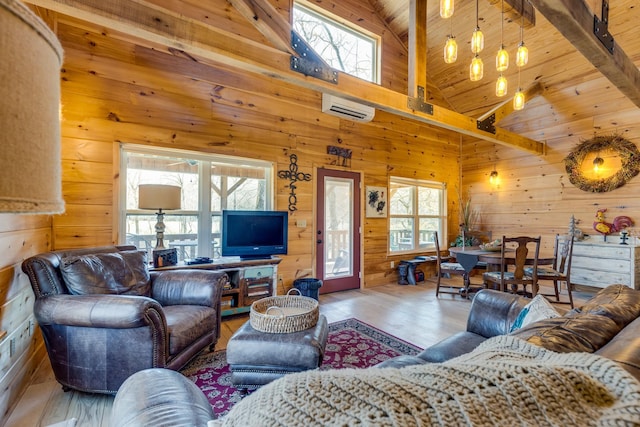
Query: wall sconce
[[597, 163], [159, 197], [493, 177], [29, 113]]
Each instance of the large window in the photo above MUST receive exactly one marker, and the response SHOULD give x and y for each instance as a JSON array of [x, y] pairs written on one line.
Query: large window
[[343, 47], [209, 184], [416, 209]]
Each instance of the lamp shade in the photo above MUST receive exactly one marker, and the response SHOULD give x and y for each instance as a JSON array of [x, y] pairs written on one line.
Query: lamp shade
[[156, 197], [31, 178]]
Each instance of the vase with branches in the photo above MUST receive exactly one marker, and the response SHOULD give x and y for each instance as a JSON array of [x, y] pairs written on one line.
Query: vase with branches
[[469, 217]]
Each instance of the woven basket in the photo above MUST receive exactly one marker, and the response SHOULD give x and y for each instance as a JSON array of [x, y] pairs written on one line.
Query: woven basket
[[284, 314]]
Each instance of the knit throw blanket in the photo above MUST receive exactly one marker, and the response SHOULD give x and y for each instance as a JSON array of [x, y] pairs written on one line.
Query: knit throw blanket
[[504, 382]]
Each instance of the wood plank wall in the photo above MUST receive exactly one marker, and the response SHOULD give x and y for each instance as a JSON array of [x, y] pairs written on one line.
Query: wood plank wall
[[21, 349], [534, 195], [115, 91]]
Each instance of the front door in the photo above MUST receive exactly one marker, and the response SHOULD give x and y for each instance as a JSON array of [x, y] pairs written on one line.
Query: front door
[[338, 234]]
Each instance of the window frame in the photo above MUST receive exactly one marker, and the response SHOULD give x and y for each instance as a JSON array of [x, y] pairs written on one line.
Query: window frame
[[349, 27], [204, 213], [441, 217]]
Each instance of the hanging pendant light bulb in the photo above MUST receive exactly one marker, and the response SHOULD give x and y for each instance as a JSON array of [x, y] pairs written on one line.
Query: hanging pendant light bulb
[[450, 50], [502, 58], [501, 86], [477, 38], [476, 69], [451, 47], [522, 54], [446, 8], [518, 98]]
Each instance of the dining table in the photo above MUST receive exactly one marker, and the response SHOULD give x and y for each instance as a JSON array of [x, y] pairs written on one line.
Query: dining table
[[469, 258]]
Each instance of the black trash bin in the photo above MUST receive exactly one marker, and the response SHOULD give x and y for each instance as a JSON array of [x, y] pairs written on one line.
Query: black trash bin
[[308, 287]]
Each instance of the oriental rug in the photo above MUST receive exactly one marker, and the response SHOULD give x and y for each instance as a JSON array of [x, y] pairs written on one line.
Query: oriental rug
[[351, 344]]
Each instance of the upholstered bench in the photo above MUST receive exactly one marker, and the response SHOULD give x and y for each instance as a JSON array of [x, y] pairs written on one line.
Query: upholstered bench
[[257, 358]]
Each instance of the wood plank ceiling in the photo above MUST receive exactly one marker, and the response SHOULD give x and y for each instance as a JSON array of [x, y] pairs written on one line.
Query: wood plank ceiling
[[563, 54]]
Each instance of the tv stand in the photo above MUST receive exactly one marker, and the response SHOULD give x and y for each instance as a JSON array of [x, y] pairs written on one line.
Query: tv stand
[[249, 280]]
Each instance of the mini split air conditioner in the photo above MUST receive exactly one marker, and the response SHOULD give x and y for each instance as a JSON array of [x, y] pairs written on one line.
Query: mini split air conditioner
[[347, 109]]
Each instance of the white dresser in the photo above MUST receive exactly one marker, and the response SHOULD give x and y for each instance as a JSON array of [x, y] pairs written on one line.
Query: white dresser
[[599, 264]]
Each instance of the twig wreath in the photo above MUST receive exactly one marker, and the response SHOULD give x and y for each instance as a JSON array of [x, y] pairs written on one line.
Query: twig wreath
[[626, 150]]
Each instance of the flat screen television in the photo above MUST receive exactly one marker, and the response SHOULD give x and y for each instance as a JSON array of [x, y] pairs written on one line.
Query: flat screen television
[[254, 234]]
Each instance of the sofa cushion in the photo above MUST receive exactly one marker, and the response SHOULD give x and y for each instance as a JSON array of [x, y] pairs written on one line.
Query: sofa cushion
[[586, 333], [620, 303], [122, 273], [538, 309], [186, 323]]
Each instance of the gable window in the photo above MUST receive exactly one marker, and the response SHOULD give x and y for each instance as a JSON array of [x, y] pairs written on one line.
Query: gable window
[[210, 183], [343, 47], [417, 208]]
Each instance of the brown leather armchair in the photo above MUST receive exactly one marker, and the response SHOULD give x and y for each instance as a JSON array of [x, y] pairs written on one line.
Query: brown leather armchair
[[104, 316]]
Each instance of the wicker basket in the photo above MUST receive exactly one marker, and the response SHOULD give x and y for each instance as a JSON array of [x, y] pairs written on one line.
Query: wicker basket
[[284, 314]]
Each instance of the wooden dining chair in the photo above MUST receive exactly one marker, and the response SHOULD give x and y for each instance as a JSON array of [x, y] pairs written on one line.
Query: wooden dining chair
[[444, 267], [515, 254], [560, 271]]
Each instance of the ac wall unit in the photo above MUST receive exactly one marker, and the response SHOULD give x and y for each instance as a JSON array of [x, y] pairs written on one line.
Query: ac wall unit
[[347, 109]]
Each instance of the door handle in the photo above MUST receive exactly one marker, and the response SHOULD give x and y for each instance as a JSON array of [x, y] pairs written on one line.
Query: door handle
[[319, 241]]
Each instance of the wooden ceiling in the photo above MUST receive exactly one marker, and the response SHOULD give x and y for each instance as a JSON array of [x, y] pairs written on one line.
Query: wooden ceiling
[[553, 42]]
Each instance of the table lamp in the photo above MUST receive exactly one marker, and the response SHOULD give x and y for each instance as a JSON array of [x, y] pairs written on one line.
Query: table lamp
[[29, 113], [159, 197]]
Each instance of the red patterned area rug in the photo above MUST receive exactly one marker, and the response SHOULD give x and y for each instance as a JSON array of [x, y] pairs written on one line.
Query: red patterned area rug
[[351, 344]]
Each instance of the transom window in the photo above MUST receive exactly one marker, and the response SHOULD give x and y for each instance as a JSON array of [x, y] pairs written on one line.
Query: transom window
[[210, 183], [416, 209], [345, 48]]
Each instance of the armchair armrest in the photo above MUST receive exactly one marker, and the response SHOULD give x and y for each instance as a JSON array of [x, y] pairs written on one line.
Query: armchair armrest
[[188, 287], [99, 311], [493, 312]]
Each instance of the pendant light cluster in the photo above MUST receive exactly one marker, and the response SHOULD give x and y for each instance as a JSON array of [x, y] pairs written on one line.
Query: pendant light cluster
[[476, 68]]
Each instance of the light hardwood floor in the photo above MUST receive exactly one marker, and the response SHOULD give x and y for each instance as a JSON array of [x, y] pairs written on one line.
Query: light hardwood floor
[[412, 313]]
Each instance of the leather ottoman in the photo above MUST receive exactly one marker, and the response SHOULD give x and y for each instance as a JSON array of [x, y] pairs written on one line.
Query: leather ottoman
[[257, 358]]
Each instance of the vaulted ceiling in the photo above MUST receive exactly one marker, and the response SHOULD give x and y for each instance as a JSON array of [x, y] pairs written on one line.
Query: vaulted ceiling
[[577, 76]]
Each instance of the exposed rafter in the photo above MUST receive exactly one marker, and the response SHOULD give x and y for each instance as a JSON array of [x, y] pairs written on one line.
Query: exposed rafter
[[158, 25], [267, 20], [574, 20], [515, 9]]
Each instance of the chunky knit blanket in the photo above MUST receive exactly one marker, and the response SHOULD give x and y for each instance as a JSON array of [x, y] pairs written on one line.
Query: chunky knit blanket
[[504, 382]]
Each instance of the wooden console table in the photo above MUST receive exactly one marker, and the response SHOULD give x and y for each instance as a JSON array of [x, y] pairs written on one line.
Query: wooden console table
[[249, 280]]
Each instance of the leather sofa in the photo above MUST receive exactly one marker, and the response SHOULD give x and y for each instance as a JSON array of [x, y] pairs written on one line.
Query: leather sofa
[[104, 316], [608, 325]]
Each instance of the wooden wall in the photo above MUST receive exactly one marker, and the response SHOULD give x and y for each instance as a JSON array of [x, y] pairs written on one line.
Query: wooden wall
[[534, 195], [21, 345], [116, 91]]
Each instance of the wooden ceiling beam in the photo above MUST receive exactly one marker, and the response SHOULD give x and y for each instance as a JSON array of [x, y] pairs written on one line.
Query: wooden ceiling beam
[[154, 24], [268, 21], [417, 48], [574, 20], [516, 10]]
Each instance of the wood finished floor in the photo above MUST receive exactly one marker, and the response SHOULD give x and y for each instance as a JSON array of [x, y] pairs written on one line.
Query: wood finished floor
[[412, 313]]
